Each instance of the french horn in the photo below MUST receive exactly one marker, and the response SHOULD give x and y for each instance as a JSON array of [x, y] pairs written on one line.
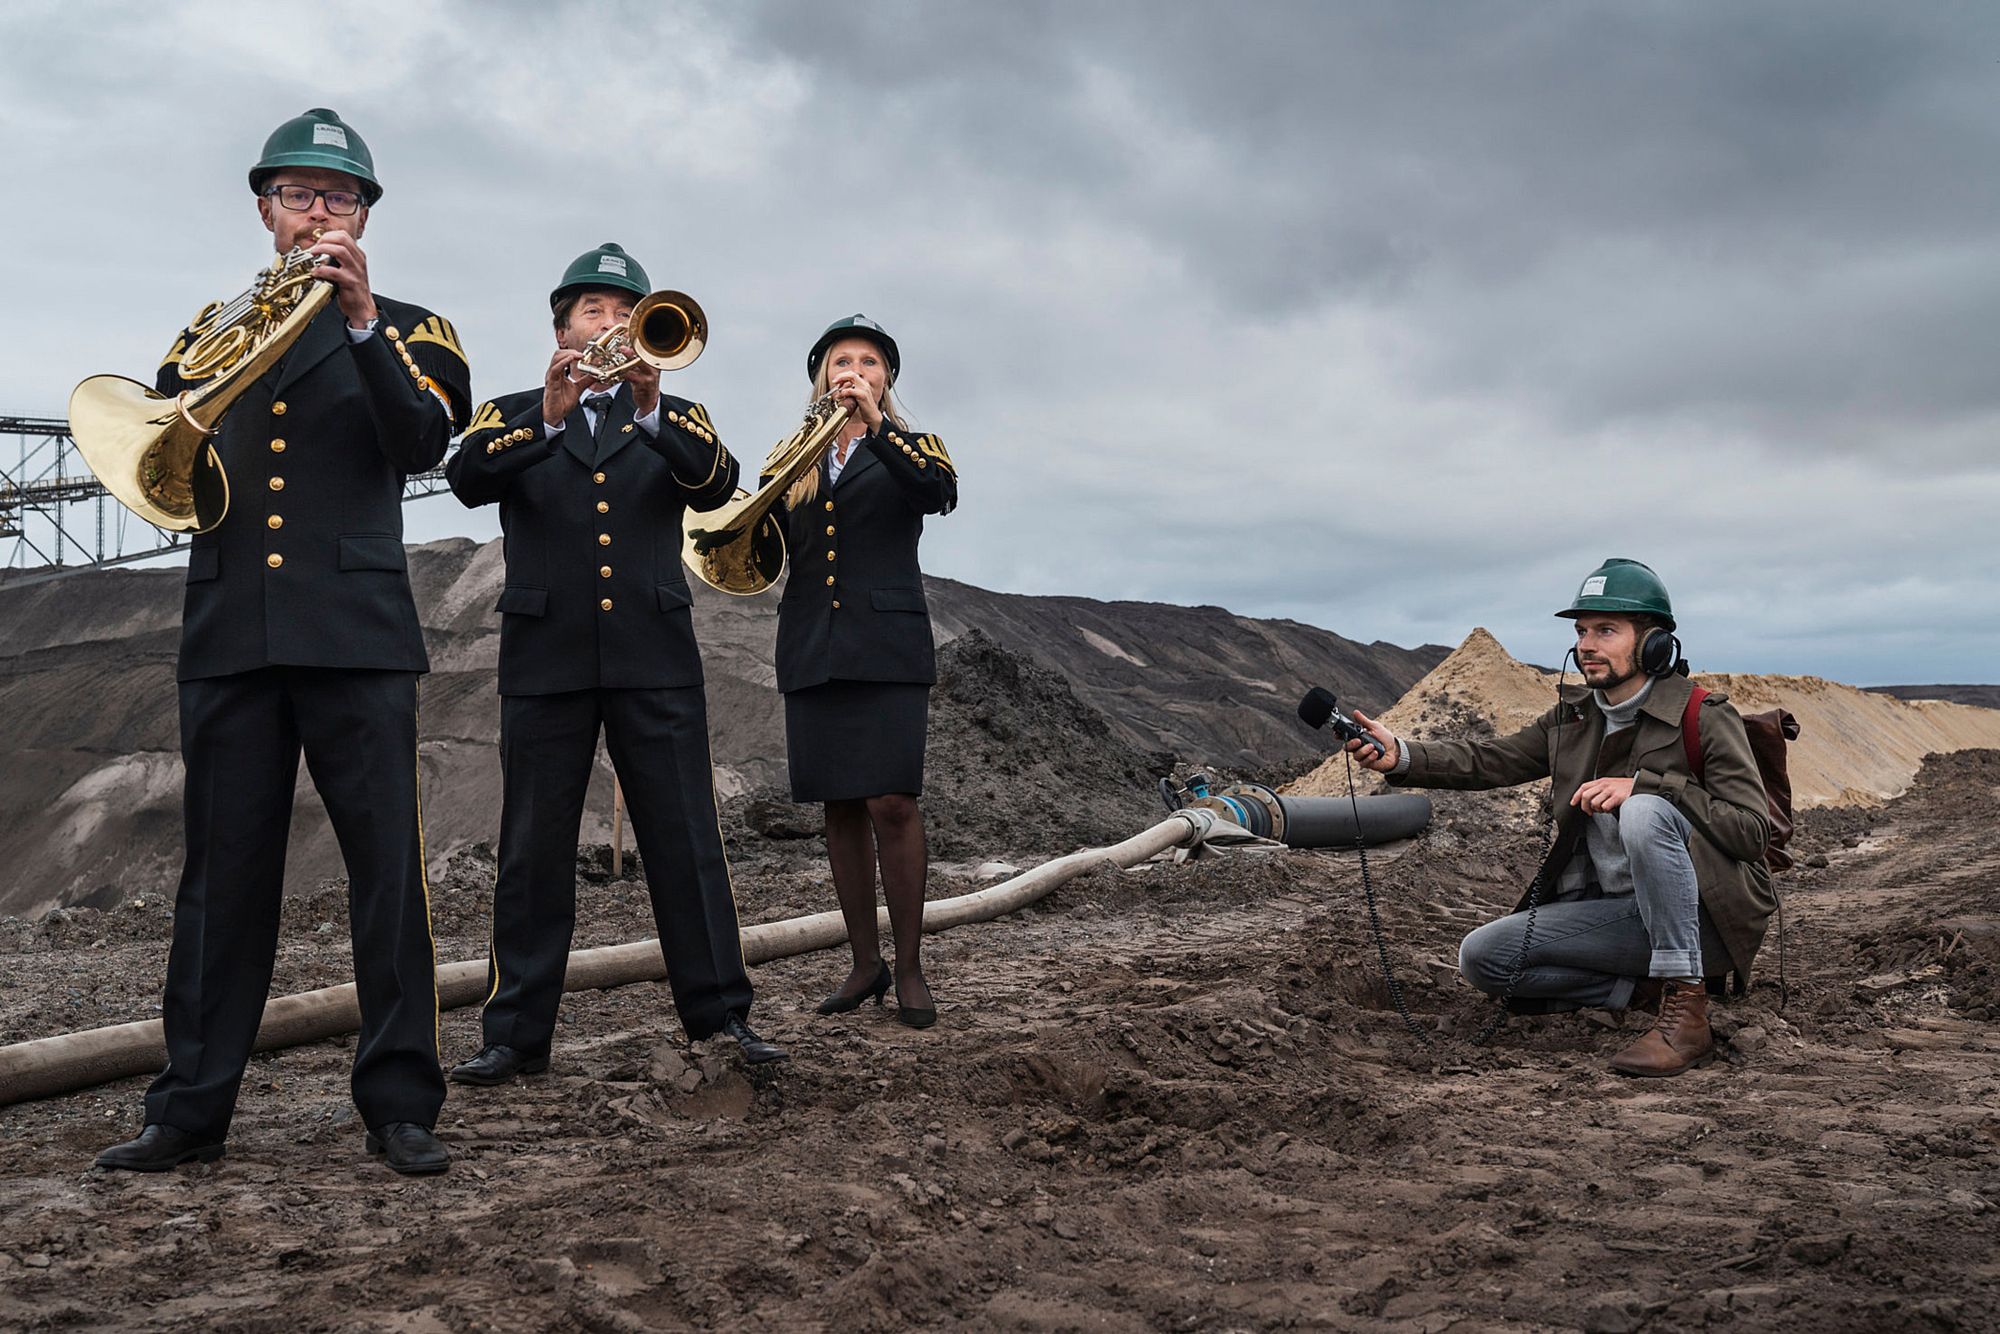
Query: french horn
[[153, 453]]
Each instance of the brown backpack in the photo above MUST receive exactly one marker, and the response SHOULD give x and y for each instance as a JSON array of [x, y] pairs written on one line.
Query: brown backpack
[[1769, 731]]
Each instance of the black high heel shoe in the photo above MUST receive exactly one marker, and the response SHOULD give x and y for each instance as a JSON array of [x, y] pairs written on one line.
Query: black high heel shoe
[[839, 1004], [913, 1016]]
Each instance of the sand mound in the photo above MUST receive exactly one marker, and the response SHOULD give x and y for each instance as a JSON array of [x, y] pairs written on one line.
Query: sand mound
[[1856, 747]]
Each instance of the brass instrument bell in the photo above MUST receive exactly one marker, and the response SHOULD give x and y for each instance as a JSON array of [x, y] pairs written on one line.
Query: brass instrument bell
[[666, 330]]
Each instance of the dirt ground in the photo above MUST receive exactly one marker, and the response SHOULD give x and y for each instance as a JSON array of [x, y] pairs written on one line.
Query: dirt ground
[[1170, 1099]]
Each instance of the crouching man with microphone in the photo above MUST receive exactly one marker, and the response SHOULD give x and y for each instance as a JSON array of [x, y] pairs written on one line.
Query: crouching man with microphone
[[1655, 876]]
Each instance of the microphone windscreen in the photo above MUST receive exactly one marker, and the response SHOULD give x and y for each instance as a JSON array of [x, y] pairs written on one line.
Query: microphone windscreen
[[1317, 707]]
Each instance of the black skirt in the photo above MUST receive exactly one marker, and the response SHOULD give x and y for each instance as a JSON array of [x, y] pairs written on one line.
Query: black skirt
[[849, 739]]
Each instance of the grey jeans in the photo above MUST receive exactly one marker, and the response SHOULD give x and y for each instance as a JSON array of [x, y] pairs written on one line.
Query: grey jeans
[[1591, 951]]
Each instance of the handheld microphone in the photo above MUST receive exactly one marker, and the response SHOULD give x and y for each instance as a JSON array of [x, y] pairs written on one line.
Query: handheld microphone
[[1320, 707]]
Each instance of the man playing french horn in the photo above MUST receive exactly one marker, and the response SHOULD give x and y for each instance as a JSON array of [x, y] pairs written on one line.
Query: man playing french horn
[[300, 634], [593, 470]]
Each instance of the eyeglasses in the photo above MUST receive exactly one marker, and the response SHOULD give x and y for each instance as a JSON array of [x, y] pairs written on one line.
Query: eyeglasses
[[299, 198]]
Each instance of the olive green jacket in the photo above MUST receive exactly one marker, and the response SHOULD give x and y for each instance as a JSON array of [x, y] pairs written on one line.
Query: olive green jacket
[[1726, 807]]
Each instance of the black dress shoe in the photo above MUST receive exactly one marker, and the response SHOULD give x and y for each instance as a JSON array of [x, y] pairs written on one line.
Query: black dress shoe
[[159, 1148], [839, 1004], [410, 1148], [497, 1065], [755, 1049]]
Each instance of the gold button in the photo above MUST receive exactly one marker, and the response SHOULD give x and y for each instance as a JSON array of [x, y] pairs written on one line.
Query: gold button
[[277, 446], [604, 539], [277, 483], [278, 408], [829, 555], [275, 521], [416, 374], [604, 507], [922, 464], [605, 605], [274, 560], [829, 504], [836, 604], [829, 530], [829, 581], [391, 331], [597, 478], [604, 571]]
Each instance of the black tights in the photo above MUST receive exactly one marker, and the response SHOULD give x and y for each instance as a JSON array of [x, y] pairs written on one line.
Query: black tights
[[861, 832]]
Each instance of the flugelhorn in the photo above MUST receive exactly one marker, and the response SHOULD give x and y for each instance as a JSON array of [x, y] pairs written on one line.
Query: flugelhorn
[[153, 453], [738, 547], [666, 329]]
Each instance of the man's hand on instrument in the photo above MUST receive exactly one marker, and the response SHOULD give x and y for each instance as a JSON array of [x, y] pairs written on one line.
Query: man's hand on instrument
[[1381, 756], [1602, 794], [348, 272], [645, 382], [560, 392], [853, 391]]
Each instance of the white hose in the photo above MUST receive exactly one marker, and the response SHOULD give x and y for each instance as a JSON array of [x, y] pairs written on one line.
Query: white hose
[[71, 1061]]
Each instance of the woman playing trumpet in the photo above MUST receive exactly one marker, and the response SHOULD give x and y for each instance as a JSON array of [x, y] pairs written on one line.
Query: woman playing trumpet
[[855, 656]]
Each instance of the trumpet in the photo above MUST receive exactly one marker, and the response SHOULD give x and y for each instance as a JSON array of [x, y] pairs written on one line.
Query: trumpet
[[153, 453], [738, 548], [667, 329]]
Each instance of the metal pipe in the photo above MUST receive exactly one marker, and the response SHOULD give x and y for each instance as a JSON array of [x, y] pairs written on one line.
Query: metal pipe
[[1319, 822], [71, 1061], [1335, 822]]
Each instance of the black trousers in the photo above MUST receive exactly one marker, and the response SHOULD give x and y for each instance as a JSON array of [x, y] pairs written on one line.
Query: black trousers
[[241, 737], [659, 746]]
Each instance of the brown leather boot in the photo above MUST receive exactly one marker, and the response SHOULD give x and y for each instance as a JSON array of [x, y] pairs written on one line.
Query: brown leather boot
[[1678, 1040]]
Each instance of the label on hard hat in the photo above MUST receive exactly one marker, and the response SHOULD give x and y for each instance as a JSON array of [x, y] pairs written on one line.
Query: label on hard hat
[[1592, 587], [329, 134], [612, 264]]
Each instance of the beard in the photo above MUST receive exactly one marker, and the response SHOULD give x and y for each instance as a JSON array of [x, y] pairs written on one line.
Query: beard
[[1615, 678]]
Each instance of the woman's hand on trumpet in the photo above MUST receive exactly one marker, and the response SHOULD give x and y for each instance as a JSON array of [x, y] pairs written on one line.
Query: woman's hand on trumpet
[[347, 270], [855, 393]]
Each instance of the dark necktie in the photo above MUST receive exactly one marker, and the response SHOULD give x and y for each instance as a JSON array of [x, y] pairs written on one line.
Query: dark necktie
[[601, 405]]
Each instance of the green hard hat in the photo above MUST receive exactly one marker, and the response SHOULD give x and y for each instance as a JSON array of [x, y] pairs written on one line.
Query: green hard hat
[[858, 326], [1624, 586], [320, 138], [606, 266]]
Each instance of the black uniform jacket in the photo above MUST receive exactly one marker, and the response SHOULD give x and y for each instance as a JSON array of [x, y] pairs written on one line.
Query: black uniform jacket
[[307, 569], [853, 607], [596, 595]]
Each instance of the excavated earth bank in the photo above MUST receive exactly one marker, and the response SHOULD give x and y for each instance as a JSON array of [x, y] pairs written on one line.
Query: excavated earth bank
[[1176, 1098]]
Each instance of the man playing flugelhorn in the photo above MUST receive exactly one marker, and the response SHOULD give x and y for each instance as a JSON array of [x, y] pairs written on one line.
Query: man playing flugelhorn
[[592, 477], [299, 634]]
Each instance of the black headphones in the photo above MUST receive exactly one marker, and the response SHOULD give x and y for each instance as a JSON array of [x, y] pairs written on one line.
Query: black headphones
[[1660, 653]]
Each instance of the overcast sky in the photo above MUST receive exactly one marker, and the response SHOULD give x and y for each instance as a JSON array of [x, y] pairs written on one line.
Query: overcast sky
[[1392, 318]]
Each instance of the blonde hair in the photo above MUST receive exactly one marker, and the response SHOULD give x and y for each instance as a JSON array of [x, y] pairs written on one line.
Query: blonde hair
[[807, 486]]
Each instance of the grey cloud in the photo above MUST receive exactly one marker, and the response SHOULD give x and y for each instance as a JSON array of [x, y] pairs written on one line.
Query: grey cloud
[[1391, 318]]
